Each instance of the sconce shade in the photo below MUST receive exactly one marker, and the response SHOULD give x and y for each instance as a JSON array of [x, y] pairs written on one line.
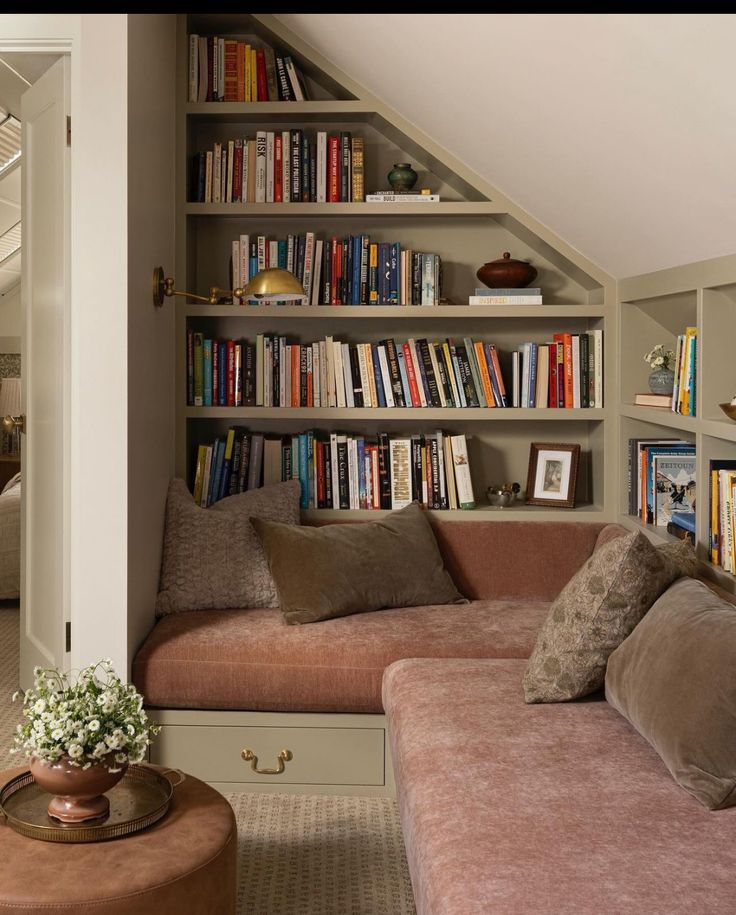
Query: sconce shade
[[274, 282], [10, 397]]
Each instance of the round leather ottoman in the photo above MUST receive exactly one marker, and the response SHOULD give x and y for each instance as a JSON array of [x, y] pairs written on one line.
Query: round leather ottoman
[[184, 864]]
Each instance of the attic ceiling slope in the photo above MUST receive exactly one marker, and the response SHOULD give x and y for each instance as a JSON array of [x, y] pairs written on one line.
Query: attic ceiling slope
[[536, 234]]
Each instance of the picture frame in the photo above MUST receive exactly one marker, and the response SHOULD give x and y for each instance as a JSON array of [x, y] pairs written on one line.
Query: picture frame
[[553, 474]]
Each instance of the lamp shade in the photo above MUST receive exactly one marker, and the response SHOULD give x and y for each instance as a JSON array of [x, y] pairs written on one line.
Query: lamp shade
[[10, 397], [274, 283]]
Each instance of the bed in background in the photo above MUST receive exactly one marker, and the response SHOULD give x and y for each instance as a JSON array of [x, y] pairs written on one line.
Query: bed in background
[[10, 539]]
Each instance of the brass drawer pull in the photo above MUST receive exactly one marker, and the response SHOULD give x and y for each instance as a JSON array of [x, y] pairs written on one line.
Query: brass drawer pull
[[283, 757]]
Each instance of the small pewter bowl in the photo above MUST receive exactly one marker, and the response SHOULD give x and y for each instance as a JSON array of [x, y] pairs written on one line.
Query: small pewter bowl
[[729, 409], [499, 497]]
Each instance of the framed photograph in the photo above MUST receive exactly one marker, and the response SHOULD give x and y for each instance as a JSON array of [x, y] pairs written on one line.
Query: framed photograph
[[553, 473]]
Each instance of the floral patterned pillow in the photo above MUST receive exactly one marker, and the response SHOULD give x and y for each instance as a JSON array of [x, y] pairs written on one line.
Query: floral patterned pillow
[[596, 610]]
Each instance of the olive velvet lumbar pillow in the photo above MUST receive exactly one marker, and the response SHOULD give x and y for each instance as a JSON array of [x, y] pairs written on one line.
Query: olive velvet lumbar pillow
[[596, 610], [326, 572], [212, 558], [674, 679]]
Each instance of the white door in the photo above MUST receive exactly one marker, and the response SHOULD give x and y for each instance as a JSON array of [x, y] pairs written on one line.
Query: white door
[[45, 292]]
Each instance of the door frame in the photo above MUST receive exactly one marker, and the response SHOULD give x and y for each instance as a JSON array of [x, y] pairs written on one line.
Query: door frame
[[60, 47]]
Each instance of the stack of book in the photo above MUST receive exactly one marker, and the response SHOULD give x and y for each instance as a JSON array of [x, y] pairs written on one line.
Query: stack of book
[[722, 541], [339, 471], [227, 70], [343, 271], [683, 394], [566, 372], [662, 483], [289, 166], [272, 372], [486, 296]]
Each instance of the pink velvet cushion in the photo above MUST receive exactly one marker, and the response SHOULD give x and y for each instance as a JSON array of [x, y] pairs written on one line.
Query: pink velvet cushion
[[250, 659], [512, 808]]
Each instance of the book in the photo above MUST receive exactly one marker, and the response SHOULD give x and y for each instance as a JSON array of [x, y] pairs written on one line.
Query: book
[[675, 489], [653, 400], [399, 453], [402, 198], [461, 465], [491, 298]]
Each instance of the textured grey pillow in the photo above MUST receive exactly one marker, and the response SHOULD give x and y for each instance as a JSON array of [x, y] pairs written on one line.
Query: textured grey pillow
[[674, 679], [596, 610], [212, 558]]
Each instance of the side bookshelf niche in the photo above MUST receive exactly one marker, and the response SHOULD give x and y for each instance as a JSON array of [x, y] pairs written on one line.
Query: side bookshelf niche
[[654, 308], [472, 224]]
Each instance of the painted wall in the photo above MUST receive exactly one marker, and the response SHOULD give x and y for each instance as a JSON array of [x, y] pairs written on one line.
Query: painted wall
[[10, 318], [151, 134], [618, 131]]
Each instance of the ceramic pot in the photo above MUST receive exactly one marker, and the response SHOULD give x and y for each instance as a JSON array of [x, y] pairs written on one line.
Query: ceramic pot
[[506, 273], [402, 177], [79, 794], [662, 381]]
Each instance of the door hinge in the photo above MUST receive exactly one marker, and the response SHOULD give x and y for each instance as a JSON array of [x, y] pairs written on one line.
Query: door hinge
[[68, 637], [68, 130]]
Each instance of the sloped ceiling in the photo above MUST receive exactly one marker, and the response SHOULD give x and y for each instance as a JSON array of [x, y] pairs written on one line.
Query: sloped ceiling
[[618, 131]]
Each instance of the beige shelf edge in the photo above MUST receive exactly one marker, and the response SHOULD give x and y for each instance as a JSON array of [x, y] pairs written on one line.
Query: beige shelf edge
[[273, 210], [660, 417], [400, 312], [418, 414], [655, 533], [480, 513], [717, 429], [285, 109]]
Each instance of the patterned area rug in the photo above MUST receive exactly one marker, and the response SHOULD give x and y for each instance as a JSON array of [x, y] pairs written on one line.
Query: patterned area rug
[[297, 855]]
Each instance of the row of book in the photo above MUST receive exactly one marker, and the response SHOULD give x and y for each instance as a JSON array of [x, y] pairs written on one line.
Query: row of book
[[339, 471], [564, 373], [343, 271], [288, 166], [271, 372], [227, 70], [722, 539], [683, 393], [662, 481]]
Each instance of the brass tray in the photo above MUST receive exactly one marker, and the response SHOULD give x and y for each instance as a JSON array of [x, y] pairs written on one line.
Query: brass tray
[[139, 799]]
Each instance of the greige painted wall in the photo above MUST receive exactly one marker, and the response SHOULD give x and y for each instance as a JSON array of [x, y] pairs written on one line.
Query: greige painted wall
[[151, 69], [618, 131]]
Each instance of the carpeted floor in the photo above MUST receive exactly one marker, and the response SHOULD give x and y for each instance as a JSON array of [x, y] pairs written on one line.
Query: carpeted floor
[[297, 855]]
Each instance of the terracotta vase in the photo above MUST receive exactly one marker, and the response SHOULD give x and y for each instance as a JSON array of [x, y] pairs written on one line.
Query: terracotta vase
[[79, 794], [506, 273]]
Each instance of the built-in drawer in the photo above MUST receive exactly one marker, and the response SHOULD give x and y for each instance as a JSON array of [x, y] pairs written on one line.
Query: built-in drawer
[[319, 756]]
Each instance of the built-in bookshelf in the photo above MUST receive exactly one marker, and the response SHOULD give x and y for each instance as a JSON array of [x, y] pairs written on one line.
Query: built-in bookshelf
[[655, 308], [472, 224]]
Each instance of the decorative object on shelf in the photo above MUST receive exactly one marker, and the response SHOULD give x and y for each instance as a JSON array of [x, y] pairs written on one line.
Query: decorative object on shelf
[[662, 378], [503, 496], [729, 408], [271, 283], [553, 472], [13, 420], [505, 272], [402, 177], [80, 734]]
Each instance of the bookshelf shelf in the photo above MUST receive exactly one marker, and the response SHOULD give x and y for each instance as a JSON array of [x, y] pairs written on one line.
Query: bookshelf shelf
[[716, 429], [415, 414], [583, 512], [656, 533], [473, 223], [393, 312], [311, 210], [660, 417], [322, 109]]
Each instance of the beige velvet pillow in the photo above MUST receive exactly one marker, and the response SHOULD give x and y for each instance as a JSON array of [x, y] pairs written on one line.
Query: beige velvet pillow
[[596, 610], [674, 679], [339, 569], [212, 559]]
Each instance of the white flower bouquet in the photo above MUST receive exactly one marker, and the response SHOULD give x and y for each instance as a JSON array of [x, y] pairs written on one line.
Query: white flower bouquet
[[93, 718], [659, 358]]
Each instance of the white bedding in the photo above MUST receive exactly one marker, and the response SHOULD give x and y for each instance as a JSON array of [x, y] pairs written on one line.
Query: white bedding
[[10, 539]]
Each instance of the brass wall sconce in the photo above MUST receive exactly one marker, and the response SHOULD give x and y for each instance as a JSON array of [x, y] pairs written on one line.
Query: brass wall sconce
[[271, 283]]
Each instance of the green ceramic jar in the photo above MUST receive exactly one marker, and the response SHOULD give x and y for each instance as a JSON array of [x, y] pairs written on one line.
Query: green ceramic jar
[[402, 177]]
